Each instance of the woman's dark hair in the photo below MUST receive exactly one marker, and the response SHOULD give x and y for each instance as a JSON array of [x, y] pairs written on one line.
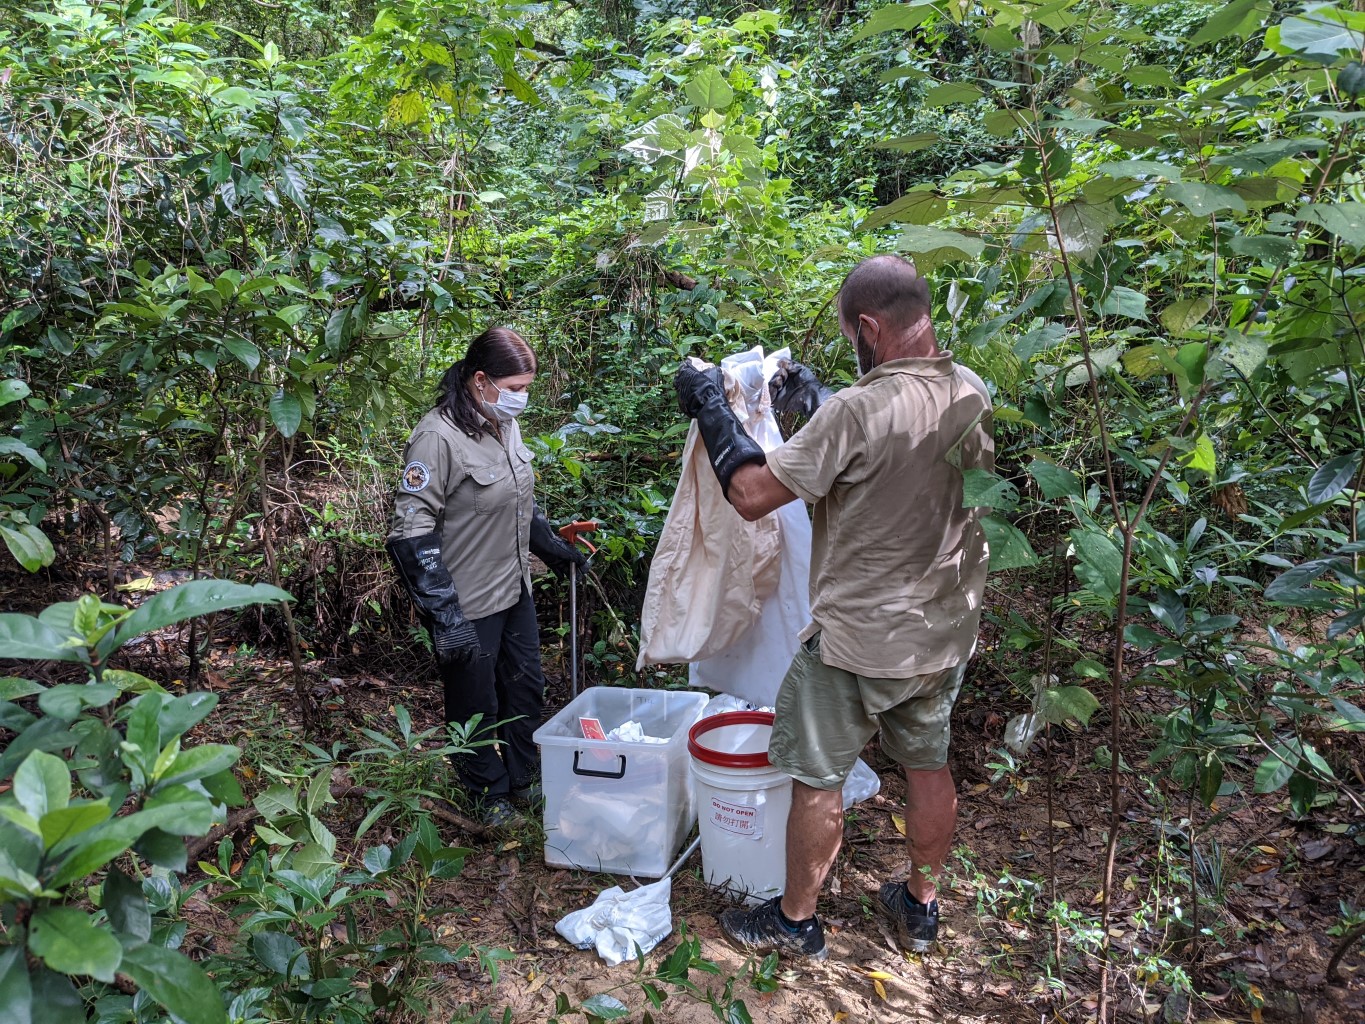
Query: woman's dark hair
[[498, 352]]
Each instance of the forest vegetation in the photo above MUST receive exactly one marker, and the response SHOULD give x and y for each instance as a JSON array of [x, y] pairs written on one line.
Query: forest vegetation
[[241, 241]]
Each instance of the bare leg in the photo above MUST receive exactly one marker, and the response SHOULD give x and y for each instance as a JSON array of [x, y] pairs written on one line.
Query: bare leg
[[815, 830], [930, 818]]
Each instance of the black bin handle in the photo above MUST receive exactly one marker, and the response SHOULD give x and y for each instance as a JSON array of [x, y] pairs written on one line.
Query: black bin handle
[[599, 775]]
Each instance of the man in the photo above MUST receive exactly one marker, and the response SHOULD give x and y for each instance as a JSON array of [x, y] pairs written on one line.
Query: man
[[898, 569]]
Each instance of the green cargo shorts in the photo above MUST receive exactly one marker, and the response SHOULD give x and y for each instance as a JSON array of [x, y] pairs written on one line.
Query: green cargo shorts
[[825, 716]]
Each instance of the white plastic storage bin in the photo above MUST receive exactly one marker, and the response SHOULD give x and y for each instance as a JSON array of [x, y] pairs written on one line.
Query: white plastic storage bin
[[617, 806]]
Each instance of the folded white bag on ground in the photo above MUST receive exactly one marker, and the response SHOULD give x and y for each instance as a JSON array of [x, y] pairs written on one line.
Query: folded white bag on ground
[[619, 921], [729, 597]]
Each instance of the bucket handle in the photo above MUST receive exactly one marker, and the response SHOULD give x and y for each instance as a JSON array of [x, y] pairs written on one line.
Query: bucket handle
[[596, 774]]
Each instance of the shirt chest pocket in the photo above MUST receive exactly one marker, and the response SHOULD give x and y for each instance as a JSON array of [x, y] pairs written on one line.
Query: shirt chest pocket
[[494, 486]]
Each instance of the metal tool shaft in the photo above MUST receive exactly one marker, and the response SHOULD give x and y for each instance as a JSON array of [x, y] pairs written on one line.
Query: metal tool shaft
[[573, 630]]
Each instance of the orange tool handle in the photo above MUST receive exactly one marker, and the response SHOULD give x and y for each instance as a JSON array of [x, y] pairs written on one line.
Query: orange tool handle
[[571, 533]]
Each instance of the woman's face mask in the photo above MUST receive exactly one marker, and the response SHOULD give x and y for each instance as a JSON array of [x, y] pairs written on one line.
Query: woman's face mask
[[509, 403]]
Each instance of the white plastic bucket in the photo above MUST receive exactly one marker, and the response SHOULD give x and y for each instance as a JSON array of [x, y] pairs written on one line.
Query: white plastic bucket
[[742, 804]]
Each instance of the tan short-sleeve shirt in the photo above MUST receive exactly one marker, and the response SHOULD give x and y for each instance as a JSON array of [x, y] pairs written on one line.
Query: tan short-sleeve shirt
[[477, 493], [898, 566]]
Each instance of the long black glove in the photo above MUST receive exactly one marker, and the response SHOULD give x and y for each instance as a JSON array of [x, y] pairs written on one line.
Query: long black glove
[[428, 583], [795, 388], [551, 548], [701, 395]]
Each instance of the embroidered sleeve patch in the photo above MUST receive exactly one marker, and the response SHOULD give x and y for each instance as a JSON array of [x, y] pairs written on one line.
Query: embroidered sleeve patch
[[416, 476]]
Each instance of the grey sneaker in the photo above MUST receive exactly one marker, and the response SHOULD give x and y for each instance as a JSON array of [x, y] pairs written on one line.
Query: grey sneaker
[[498, 812], [762, 930], [915, 923]]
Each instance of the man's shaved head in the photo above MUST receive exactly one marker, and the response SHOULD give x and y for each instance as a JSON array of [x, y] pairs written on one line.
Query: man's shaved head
[[886, 288]]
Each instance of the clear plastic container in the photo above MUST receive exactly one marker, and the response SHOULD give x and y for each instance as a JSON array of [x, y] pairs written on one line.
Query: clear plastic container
[[617, 806]]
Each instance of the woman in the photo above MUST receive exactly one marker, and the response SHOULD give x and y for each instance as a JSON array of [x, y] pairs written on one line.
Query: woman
[[464, 522]]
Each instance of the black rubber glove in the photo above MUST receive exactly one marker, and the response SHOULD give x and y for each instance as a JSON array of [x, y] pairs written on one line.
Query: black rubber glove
[[795, 388], [702, 397], [551, 548], [428, 583]]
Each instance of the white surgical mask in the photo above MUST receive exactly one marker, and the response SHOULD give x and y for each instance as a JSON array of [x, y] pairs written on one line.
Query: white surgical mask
[[510, 404]]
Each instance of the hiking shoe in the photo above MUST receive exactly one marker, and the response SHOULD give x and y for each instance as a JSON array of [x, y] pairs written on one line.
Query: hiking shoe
[[498, 812], [915, 923], [530, 796], [762, 930]]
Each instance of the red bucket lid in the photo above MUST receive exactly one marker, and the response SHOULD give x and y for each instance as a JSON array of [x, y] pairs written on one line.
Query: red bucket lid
[[720, 758]]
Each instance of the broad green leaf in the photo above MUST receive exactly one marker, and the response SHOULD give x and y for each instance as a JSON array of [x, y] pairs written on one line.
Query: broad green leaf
[[1245, 355], [1100, 565], [312, 860], [911, 143], [42, 784], [12, 390], [72, 820], [894, 18], [286, 412], [200, 762], [243, 351], [1039, 340], [192, 599], [1054, 481], [13, 446], [1083, 227], [23, 636], [16, 990], [56, 999], [29, 545], [65, 939], [1123, 301], [1066, 702], [1009, 547], [1294, 586], [1203, 200], [179, 810], [1201, 457], [1139, 169], [14, 688], [176, 983], [1322, 31], [948, 93], [981, 488], [1102, 360], [67, 700], [1271, 248], [1345, 220], [1274, 770], [934, 245], [126, 906], [708, 89], [281, 953], [1331, 478], [236, 96], [606, 1007], [1180, 318], [918, 206], [1236, 19]]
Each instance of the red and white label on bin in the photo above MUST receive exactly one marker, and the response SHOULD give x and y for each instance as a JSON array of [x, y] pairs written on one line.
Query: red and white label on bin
[[592, 729], [740, 819]]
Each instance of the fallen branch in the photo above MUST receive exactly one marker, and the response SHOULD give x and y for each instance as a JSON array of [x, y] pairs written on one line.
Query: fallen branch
[[195, 849]]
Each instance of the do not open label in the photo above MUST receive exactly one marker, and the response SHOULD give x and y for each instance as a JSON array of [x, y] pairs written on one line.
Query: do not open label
[[738, 819]]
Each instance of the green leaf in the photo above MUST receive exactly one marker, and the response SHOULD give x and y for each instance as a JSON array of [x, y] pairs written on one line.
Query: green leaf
[[1083, 227], [286, 412], [1067, 702], [1244, 354], [181, 811], [236, 96], [1180, 318], [1203, 200], [12, 390], [281, 953], [65, 939], [13, 446], [175, 982], [29, 545], [294, 185], [708, 89], [948, 93], [1270, 248], [1345, 220], [16, 991], [1331, 478], [1102, 360], [65, 822], [126, 906], [982, 488], [921, 205], [1274, 770], [192, 599], [1201, 457], [894, 18], [243, 351], [1009, 547], [200, 762], [67, 700], [23, 636], [1239, 18], [1294, 586], [1054, 481], [42, 784], [1100, 565], [14, 688], [910, 143], [1122, 301], [606, 1007], [934, 245], [1322, 31]]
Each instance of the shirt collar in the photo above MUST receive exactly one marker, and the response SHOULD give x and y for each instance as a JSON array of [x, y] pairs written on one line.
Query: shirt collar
[[940, 365]]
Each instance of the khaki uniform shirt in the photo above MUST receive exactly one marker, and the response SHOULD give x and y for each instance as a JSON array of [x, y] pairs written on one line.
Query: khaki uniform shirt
[[898, 566], [476, 492]]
